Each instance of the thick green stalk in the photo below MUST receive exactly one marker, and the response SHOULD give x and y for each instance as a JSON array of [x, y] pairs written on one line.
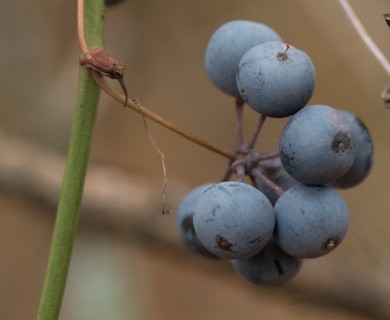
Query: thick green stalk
[[74, 176]]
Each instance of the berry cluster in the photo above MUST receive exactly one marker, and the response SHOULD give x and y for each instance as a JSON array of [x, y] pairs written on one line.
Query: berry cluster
[[291, 211]]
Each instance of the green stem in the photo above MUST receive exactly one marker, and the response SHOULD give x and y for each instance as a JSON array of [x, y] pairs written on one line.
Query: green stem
[[74, 176]]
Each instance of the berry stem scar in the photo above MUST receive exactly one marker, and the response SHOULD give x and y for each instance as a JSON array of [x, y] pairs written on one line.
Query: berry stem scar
[[282, 56], [97, 59]]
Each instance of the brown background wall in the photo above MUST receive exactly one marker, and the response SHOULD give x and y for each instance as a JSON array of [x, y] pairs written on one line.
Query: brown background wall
[[162, 44]]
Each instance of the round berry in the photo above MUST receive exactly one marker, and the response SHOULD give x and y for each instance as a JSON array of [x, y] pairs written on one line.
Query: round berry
[[226, 47], [316, 146], [311, 221], [276, 79], [233, 220]]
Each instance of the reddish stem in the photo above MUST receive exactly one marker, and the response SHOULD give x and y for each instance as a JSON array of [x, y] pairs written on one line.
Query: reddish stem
[[257, 130], [269, 155], [238, 167], [80, 29], [269, 183], [228, 173]]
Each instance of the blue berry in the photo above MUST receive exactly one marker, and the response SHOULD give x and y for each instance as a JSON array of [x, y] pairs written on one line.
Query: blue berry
[[310, 221], [364, 152], [184, 221], [233, 220], [316, 146], [271, 266], [276, 79], [226, 47]]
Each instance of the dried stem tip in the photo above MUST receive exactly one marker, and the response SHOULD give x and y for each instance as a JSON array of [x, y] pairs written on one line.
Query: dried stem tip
[[100, 61]]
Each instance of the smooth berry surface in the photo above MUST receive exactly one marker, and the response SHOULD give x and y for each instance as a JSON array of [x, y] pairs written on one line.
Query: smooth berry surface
[[311, 221], [316, 146], [226, 47], [276, 79], [233, 220], [271, 266]]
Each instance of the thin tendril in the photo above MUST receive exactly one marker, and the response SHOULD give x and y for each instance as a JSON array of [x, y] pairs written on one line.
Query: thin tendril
[[375, 51]]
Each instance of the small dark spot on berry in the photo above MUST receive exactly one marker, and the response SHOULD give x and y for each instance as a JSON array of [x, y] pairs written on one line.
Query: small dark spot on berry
[[282, 56], [330, 244], [341, 142], [224, 244]]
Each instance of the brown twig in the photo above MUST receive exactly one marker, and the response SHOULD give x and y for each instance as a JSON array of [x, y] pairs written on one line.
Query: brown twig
[[136, 106], [97, 59]]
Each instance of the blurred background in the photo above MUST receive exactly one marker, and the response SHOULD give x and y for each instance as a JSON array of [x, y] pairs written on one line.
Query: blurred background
[[128, 262]]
